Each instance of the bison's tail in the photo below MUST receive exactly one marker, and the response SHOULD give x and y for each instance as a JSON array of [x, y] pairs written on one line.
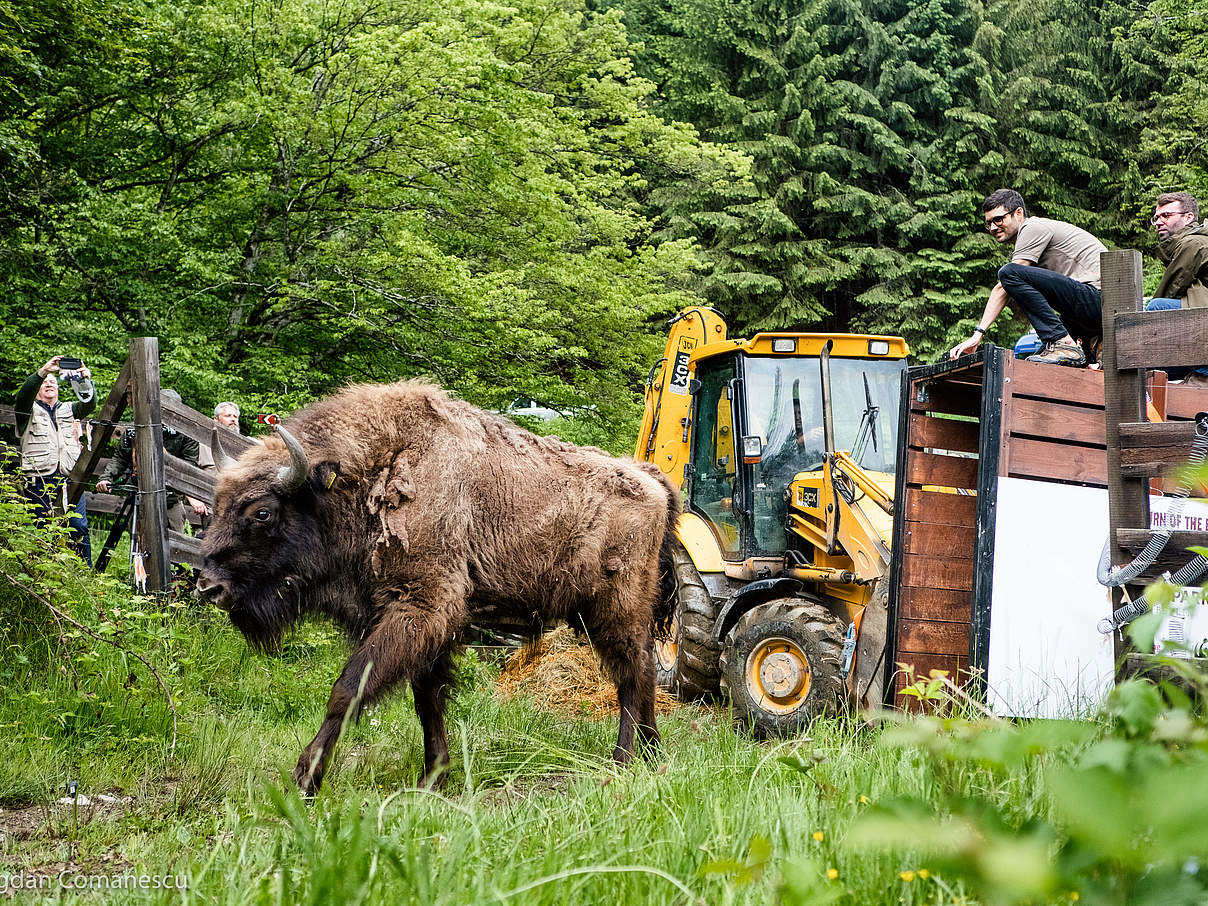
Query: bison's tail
[[664, 608]]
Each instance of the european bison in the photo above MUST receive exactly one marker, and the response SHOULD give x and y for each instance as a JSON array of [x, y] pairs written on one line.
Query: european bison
[[405, 514]]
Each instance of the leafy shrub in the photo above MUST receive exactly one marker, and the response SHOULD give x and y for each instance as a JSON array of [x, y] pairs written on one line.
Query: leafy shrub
[[76, 656]]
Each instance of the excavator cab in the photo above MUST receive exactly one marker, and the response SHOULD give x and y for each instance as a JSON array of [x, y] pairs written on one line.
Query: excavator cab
[[759, 422]]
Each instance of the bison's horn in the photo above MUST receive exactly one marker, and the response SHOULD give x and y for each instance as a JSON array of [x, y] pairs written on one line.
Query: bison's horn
[[222, 460], [294, 474]]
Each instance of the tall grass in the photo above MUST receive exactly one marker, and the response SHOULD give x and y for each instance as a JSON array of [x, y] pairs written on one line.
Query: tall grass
[[955, 810]]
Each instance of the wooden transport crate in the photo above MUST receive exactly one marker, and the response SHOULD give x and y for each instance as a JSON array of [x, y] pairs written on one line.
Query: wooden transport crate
[[967, 426]]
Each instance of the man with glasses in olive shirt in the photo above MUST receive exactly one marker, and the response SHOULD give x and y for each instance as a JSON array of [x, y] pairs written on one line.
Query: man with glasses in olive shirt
[[1053, 278], [1183, 248]]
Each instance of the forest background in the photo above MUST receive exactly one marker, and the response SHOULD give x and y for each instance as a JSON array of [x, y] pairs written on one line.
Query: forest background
[[512, 199]]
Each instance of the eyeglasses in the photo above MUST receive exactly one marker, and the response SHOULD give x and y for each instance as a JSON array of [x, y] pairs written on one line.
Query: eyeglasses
[[992, 222], [1163, 216]]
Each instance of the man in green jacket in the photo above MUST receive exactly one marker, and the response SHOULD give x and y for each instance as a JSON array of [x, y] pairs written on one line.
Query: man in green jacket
[[1183, 246]]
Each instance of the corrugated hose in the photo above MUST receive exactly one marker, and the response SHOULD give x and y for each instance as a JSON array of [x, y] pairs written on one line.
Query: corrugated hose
[[1115, 576]]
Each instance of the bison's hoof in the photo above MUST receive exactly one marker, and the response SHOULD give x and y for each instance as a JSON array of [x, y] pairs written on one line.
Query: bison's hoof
[[307, 783]]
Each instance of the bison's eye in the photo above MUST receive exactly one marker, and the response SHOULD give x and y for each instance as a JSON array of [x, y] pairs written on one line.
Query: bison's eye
[[262, 515]]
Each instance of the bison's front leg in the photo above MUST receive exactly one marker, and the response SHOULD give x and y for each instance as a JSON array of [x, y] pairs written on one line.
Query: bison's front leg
[[394, 651]]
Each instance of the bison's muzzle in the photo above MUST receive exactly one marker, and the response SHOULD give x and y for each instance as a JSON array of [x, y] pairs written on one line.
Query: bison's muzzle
[[213, 591]]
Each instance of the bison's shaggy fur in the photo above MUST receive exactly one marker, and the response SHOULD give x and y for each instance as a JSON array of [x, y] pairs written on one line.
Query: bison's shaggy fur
[[407, 515]]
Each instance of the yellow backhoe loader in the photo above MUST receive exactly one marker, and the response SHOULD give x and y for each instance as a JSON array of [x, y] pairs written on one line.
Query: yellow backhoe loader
[[785, 447]]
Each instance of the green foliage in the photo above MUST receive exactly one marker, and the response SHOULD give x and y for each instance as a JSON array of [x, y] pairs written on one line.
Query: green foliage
[[294, 195], [1111, 814], [74, 649], [875, 129]]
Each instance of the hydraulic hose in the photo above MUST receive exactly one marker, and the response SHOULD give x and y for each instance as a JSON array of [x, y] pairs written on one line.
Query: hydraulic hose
[[1187, 574], [1114, 577]]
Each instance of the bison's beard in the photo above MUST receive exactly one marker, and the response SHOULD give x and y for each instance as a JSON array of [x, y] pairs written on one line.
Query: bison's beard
[[263, 614]]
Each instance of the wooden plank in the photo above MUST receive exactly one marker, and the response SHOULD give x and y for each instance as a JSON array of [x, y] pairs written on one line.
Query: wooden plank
[[1184, 401], [932, 637], [103, 503], [944, 604], [1141, 435], [184, 548], [1068, 385], [149, 453], [1173, 558], [1031, 458], [1006, 416], [1159, 339], [942, 471], [948, 396], [111, 411], [108, 504], [1152, 449], [940, 508], [927, 431], [937, 572], [932, 540], [1156, 386], [1134, 540], [200, 428], [1054, 420], [1165, 470], [189, 479]]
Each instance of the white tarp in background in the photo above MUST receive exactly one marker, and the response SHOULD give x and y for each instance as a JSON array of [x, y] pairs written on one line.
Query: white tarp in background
[[1047, 659]]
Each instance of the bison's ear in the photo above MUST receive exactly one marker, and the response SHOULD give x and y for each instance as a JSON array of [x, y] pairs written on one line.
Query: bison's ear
[[325, 475]]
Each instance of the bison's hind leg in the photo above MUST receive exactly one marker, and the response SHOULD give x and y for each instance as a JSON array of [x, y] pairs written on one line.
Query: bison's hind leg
[[432, 689], [626, 648]]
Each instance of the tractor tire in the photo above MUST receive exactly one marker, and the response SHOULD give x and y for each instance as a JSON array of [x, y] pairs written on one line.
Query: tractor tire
[[687, 662], [781, 666]]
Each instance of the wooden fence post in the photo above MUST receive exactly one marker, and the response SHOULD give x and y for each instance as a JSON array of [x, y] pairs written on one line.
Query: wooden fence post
[[1124, 401], [149, 456]]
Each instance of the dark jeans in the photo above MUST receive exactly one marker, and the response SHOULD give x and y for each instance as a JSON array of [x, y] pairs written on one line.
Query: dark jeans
[[45, 493], [1056, 305], [1161, 304]]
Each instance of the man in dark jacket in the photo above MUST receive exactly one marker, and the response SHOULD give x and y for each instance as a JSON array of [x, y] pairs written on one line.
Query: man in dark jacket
[[1183, 246], [122, 467]]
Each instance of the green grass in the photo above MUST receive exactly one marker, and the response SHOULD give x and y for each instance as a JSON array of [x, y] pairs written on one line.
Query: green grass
[[955, 811], [532, 812]]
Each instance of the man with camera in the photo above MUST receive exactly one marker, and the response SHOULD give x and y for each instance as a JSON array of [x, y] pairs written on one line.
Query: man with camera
[[50, 442]]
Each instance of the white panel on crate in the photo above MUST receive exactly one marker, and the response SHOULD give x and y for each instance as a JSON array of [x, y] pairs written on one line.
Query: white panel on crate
[[1184, 633], [1046, 658]]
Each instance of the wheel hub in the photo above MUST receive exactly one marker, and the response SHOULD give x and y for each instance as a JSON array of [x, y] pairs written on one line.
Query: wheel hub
[[666, 651], [778, 675]]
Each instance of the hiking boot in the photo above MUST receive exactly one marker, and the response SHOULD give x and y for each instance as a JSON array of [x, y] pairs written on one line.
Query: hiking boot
[[1070, 354]]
